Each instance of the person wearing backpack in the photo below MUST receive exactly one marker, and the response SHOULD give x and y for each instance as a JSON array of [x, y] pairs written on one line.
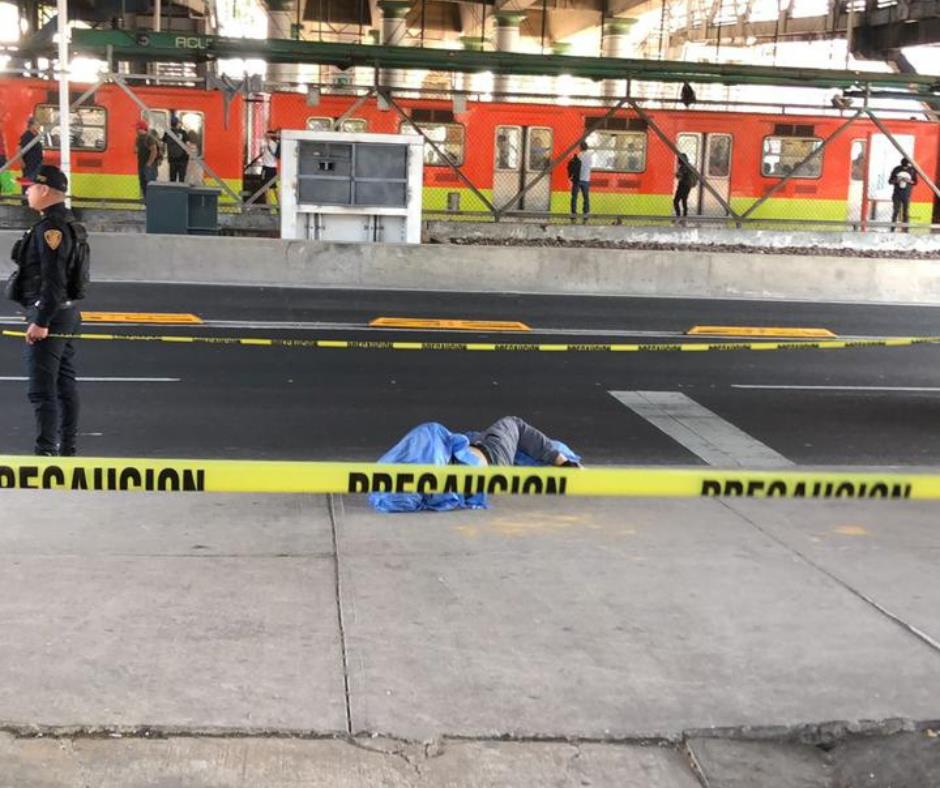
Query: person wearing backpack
[[52, 274], [579, 173], [685, 180]]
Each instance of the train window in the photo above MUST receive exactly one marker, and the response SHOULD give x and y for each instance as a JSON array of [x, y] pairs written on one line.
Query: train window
[[858, 160], [508, 144], [783, 154], [88, 127], [449, 138], [352, 125], [619, 151], [719, 155], [540, 149]]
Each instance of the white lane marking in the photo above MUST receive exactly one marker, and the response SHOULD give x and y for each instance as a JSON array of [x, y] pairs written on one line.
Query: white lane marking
[[834, 388], [16, 379], [699, 430]]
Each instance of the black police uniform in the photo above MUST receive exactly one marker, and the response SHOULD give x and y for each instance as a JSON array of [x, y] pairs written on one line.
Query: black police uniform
[[49, 362]]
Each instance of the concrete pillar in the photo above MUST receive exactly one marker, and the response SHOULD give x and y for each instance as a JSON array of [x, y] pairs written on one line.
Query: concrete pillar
[[615, 44], [562, 81], [282, 15], [507, 40], [394, 32], [462, 80]]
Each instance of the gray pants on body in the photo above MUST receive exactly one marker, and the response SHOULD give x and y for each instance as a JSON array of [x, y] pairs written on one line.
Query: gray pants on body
[[503, 438]]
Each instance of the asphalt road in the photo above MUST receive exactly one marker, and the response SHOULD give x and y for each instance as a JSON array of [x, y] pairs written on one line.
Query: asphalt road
[[878, 407]]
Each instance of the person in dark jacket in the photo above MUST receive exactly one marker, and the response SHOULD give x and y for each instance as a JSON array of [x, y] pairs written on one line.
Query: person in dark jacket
[[147, 154], [579, 173], [177, 155], [43, 278], [31, 150], [685, 180], [903, 178]]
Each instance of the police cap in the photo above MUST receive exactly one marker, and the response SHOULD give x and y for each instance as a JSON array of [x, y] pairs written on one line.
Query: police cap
[[48, 175]]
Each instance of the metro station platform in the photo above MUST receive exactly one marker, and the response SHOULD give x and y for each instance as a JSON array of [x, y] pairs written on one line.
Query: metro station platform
[[241, 640]]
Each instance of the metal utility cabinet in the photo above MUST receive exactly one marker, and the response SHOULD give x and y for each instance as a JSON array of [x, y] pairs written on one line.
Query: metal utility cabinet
[[359, 188]]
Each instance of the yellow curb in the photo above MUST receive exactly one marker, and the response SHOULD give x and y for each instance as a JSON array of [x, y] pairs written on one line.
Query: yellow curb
[[461, 325], [141, 317], [759, 331]]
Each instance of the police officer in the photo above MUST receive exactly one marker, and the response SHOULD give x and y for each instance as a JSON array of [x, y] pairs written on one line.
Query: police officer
[[43, 275]]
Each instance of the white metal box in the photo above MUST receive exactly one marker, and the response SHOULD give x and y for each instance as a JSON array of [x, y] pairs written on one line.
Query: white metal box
[[359, 188]]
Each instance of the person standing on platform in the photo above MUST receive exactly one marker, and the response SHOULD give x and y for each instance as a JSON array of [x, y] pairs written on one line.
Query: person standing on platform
[[903, 178], [31, 156], [581, 182], [685, 180], [44, 256], [176, 154], [147, 155], [270, 154]]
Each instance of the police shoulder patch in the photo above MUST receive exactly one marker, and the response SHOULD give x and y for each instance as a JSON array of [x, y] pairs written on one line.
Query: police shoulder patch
[[53, 238]]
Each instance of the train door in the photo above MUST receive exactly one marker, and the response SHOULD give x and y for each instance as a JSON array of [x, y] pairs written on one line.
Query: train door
[[882, 158], [710, 154], [717, 172], [538, 156], [191, 121], [856, 195], [520, 155], [690, 143]]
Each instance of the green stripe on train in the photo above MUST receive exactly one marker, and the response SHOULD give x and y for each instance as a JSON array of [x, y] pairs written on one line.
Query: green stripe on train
[[106, 186]]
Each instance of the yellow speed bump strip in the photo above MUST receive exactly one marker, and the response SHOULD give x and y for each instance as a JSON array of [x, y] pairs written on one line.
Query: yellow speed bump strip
[[109, 474], [460, 325], [167, 318], [499, 347], [760, 331]]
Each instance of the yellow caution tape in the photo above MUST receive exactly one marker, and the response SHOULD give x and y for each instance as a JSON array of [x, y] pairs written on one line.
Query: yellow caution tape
[[760, 331], [460, 325], [169, 318], [109, 474], [374, 344]]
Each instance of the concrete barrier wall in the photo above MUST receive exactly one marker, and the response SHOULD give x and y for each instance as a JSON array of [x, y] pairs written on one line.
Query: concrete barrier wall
[[167, 258]]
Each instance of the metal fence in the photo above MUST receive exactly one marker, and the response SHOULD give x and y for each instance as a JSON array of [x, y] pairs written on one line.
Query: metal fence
[[509, 158]]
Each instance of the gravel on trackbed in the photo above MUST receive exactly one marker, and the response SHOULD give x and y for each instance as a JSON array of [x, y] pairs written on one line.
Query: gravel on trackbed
[[816, 251]]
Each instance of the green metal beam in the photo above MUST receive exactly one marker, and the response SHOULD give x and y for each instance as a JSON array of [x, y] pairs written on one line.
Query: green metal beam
[[127, 44]]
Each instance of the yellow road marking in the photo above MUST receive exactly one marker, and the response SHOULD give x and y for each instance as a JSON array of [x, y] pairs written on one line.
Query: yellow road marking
[[461, 325], [851, 530], [181, 318], [759, 331]]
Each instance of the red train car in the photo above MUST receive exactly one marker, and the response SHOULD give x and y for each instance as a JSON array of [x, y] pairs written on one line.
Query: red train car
[[504, 147]]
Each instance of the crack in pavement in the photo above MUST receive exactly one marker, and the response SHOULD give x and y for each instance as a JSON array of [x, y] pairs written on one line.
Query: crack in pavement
[[911, 629], [338, 589], [824, 733]]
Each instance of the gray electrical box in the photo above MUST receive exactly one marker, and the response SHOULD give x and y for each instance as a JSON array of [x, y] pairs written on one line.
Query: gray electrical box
[[181, 209], [350, 186]]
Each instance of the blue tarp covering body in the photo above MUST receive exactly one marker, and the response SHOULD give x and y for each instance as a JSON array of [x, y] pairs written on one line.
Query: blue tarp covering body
[[433, 444]]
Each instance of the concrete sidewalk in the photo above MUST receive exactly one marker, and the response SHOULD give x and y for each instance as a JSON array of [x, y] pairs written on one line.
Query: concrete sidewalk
[[261, 641]]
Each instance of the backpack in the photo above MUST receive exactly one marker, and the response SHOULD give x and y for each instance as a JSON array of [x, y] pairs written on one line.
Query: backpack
[[574, 168], [78, 273]]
